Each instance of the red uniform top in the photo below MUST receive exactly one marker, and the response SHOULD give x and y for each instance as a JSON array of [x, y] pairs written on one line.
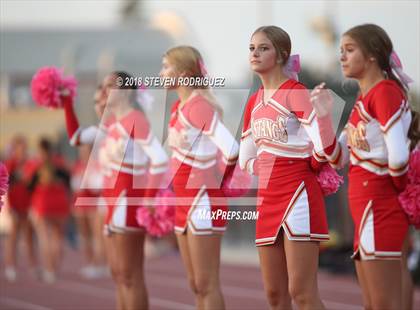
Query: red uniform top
[[285, 126], [375, 139], [19, 197], [197, 134], [127, 145]]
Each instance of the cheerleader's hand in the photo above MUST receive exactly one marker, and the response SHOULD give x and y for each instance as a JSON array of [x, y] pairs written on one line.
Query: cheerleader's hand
[[152, 209], [321, 100], [66, 100], [149, 202]]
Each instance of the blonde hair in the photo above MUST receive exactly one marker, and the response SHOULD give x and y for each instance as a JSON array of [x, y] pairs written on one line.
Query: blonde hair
[[188, 59]]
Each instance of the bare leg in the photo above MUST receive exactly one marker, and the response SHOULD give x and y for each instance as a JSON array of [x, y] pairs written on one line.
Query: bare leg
[[274, 273], [383, 278], [97, 224], [186, 259], [57, 226], [112, 257], [83, 226], [367, 304], [205, 258], [130, 270], [28, 233], [42, 231], [407, 281], [11, 242], [302, 267]]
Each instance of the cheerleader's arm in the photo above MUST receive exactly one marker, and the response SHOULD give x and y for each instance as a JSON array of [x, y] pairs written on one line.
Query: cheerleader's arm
[[227, 145], [78, 135], [398, 154], [388, 108], [248, 160], [335, 151]]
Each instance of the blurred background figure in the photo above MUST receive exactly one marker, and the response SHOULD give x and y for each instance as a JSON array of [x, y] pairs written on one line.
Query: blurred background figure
[[50, 186], [89, 217], [19, 201]]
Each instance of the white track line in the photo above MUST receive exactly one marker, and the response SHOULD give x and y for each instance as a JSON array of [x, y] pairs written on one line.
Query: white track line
[[20, 304], [109, 294], [340, 306], [235, 291], [324, 286], [323, 282]]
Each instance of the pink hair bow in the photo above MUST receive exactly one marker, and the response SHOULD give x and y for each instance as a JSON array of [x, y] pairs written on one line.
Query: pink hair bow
[[396, 66], [292, 67], [203, 68]]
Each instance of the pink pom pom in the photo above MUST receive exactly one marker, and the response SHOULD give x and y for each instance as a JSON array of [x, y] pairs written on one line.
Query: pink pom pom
[[237, 184], [158, 220], [414, 166], [410, 197], [329, 180], [410, 202], [49, 85], [4, 182]]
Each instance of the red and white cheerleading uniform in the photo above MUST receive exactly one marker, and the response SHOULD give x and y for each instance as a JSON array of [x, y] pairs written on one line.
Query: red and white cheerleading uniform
[[376, 144], [132, 161], [279, 141], [196, 135], [18, 195], [50, 187]]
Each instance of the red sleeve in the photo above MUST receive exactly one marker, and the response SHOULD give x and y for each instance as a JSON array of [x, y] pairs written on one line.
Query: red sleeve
[[10, 165], [202, 115], [298, 102], [72, 123], [385, 105], [248, 110]]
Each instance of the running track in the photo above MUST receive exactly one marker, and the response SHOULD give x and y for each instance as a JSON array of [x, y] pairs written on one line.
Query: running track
[[167, 285]]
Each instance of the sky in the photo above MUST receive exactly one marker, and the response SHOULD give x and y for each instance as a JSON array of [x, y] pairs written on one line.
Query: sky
[[222, 29]]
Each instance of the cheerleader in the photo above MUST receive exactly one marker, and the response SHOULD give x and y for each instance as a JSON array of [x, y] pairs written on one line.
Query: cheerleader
[[196, 135], [19, 201], [133, 163], [50, 200], [280, 144], [375, 144]]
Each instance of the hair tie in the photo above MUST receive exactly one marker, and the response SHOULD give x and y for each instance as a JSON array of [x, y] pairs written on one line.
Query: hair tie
[[203, 69], [396, 67], [292, 67]]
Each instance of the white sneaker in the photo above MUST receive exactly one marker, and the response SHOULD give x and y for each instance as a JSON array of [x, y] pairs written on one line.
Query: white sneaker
[[10, 274], [105, 272], [49, 277], [91, 272]]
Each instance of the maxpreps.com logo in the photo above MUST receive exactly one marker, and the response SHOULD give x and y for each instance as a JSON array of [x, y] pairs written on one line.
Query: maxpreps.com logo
[[265, 128]]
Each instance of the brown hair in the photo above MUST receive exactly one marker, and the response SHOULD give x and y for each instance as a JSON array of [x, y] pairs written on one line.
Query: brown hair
[[189, 60], [128, 86], [280, 40], [414, 130], [375, 42]]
